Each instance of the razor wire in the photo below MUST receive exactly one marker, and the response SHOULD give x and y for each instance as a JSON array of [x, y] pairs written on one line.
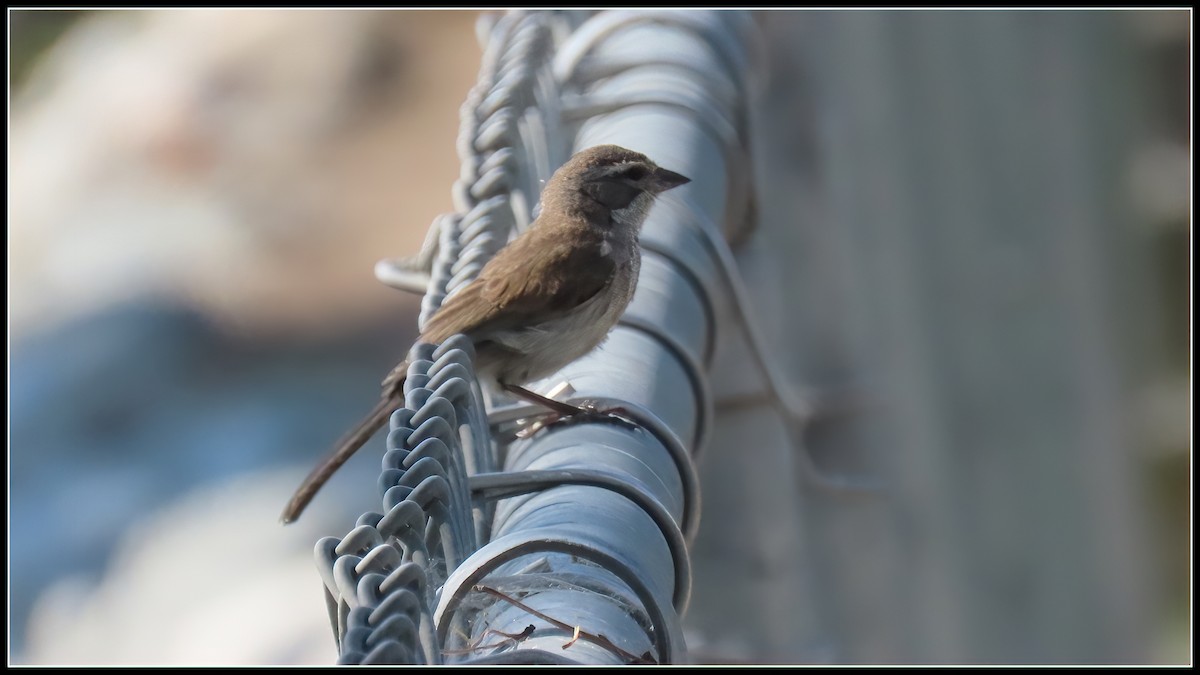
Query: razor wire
[[563, 544]]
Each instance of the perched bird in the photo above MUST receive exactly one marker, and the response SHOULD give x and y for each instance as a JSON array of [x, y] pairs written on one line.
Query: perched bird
[[547, 298]]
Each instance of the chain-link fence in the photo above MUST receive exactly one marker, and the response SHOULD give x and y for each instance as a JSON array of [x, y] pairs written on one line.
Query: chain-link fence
[[567, 544]]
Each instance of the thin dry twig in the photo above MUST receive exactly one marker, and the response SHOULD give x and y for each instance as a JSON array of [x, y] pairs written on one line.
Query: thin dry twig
[[578, 632], [513, 638]]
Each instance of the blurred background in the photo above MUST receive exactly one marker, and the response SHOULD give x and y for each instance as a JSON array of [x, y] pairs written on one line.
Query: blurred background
[[979, 219]]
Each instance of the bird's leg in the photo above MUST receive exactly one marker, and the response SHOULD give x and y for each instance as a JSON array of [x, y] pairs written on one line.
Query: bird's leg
[[563, 409], [559, 411]]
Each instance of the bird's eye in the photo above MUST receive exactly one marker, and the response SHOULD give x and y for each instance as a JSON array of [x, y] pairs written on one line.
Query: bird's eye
[[635, 172]]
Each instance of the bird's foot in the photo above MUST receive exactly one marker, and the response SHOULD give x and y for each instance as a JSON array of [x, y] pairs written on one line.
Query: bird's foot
[[559, 412], [586, 413]]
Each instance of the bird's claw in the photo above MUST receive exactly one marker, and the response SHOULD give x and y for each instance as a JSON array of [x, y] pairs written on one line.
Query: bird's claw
[[587, 412]]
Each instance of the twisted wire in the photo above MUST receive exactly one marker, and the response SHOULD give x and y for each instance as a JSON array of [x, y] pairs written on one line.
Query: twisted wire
[[380, 578]]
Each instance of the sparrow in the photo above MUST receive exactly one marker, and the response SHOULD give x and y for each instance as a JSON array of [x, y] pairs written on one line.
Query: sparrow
[[546, 299]]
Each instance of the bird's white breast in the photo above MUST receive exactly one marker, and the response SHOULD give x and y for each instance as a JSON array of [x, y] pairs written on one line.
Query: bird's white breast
[[551, 345]]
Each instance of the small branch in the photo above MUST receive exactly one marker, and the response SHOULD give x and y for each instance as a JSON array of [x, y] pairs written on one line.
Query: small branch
[[575, 630], [513, 638]]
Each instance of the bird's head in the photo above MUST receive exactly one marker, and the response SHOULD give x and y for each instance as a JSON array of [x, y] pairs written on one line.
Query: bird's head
[[612, 178]]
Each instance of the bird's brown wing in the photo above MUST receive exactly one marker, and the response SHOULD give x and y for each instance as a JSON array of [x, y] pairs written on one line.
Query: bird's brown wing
[[530, 281]]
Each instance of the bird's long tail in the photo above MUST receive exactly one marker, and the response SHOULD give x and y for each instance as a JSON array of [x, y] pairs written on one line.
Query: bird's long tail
[[346, 447]]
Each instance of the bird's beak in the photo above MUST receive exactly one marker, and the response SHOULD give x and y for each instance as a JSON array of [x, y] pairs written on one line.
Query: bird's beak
[[665, 179]]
